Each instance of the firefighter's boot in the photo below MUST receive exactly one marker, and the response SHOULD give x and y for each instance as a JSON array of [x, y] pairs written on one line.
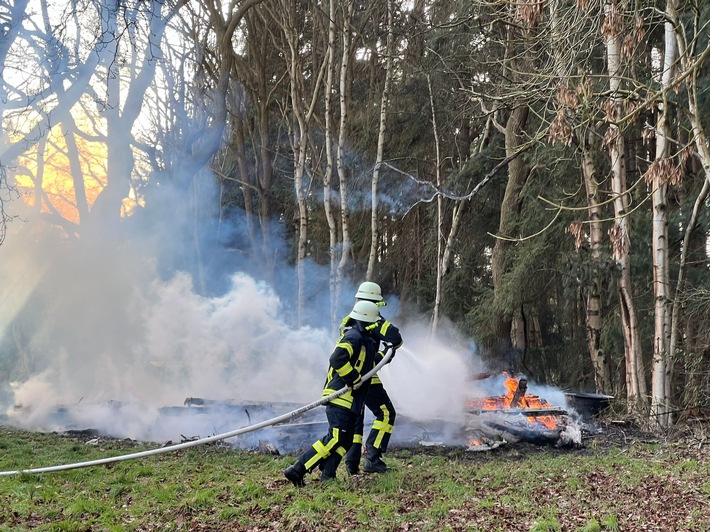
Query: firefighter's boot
[[330, 466], [352, 459], [373, 461], [295, 474]]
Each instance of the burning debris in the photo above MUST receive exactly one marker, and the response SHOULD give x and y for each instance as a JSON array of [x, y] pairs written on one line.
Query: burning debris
[[519, 416]]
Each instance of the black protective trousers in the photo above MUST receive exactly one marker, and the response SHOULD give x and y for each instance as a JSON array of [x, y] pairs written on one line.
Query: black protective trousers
[[328, 451], [378, 402]]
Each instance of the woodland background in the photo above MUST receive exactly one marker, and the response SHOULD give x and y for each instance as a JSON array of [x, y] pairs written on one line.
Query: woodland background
[[535, 172]]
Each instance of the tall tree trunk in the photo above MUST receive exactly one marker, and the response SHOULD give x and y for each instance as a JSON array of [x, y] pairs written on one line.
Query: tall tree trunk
[[635, 381], [439, 214], [77, 174], [328, 176], [518, 173], [300, 145], [254, 76], [384, 104], [346, 252], [119, 160], [690, 64], [265, 179], [303, 112], [601, 361], [125, 101], [659, 175], [238, 149]]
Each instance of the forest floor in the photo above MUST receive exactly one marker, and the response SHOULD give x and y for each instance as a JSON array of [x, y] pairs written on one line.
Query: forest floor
[[620, 478]]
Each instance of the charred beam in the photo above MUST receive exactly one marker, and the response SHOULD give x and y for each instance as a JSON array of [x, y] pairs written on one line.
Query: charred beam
[[519, 394]]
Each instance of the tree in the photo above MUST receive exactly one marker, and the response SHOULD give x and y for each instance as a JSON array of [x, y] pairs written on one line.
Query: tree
[[381, 133], [661, 174], [303, 106], [620, 232], [691, 60]]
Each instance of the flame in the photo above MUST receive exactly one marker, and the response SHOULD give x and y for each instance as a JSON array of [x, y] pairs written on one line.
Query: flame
[[523, 400]]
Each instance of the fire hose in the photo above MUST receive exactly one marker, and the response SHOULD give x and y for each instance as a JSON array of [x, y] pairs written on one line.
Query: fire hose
[[225, 435]]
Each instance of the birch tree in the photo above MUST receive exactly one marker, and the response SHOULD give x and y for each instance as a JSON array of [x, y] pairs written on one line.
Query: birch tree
[[381, 134], [303, 105], [344, 99], [661, 174], [620, 232], [439, 213], [329, 133]]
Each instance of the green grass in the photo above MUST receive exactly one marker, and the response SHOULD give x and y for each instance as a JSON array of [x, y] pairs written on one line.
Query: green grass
[[516, 487]]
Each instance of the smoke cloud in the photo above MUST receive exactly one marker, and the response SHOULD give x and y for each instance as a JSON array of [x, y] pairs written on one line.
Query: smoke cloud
[[99, 335]]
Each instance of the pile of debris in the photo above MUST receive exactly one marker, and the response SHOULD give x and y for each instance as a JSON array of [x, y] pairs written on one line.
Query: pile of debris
[[517, 415]]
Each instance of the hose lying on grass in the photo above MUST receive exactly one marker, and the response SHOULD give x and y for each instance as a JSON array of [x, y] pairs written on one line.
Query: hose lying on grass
[[210, 439]]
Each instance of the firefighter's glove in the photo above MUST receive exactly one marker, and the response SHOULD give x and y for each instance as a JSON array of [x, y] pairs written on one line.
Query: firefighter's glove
[[381, 354], [394, 351]]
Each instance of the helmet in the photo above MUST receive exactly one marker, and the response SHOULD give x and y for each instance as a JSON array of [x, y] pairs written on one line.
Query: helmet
[[365, 311], [370, 291]]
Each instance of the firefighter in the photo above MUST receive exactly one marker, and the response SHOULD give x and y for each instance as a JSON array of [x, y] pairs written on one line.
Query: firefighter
[[377, 399], [353, 356]]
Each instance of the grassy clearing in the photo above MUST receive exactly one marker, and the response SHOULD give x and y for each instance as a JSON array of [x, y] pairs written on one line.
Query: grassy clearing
[[637, 486]]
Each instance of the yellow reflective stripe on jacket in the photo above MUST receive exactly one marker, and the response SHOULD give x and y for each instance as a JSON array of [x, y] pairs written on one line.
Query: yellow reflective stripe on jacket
[[344, 369], [345, 400], [384, 327], [346, 346], [360, 362]]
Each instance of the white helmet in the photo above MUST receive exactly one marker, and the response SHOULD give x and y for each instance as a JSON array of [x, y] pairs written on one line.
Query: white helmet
[[370, 291], [365, 311]]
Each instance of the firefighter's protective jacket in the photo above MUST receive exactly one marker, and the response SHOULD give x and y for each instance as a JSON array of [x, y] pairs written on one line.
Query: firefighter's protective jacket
[[384, 331], [354, 355]]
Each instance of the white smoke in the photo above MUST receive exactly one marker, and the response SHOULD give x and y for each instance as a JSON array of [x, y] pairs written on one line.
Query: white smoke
[[92, 337]]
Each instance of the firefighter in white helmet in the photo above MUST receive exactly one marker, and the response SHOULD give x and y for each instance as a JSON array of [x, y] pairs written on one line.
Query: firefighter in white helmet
[[377, 399], [354, 355]]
